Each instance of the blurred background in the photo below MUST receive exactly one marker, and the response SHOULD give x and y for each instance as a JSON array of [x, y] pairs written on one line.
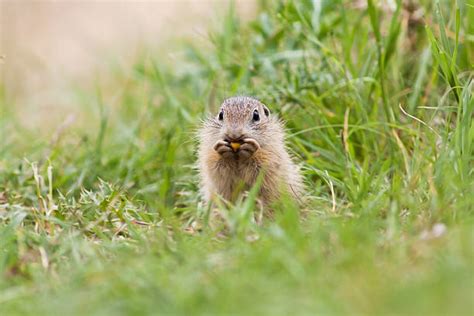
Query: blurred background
[[47, 46]]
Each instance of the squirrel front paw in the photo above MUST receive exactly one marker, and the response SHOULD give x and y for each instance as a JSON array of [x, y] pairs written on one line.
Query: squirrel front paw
[[223, 148], [244, 149], [248, 147]]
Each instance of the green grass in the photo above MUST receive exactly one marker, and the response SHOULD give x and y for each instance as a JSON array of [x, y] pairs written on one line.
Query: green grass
[[104, 217]]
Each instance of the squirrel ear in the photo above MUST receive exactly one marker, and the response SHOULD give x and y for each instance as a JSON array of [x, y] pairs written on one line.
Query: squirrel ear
[[267, 112]]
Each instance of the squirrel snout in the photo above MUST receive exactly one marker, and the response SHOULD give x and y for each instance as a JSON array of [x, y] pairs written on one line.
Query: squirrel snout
[[234, 136]]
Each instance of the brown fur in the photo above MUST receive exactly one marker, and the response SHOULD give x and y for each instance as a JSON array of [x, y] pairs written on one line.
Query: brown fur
[[227, 173]]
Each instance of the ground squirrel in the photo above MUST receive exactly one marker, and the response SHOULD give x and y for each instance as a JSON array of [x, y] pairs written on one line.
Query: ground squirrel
[[240, 142]]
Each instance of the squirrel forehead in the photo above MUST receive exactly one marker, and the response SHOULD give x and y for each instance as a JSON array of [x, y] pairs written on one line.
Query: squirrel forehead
[[241, 104]]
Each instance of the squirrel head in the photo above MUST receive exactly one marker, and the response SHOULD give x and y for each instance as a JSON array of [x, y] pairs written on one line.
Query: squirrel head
[[242, 117]]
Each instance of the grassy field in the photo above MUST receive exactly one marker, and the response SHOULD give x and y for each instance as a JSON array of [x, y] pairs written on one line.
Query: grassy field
[[102, 216]]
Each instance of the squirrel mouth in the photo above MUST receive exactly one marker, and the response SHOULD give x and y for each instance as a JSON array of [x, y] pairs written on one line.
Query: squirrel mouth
[[234, 143]]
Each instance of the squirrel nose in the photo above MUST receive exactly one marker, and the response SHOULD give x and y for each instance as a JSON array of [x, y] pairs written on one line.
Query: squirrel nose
[[234, 135]]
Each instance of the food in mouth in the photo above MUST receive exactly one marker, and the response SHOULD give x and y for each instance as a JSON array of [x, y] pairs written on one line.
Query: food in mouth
[[235, 146]]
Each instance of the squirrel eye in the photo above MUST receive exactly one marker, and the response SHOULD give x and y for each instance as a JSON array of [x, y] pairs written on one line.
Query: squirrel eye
[[266, 111], [256, 116], [221, 115]]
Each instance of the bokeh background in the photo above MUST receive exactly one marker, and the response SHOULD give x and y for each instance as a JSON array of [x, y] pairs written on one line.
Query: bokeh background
[[49, 47]]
